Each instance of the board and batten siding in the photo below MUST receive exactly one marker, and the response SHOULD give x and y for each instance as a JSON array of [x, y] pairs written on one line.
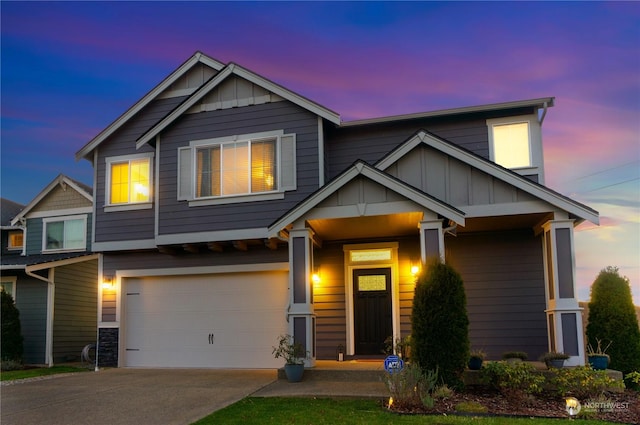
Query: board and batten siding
[[178, 217], [76, 308], [453, 181], [503, 276], [31, 300], [130, 224]]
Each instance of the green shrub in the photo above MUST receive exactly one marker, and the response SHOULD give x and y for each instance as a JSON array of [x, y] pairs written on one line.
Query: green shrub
[[582, 382], [612, 318], [514, 380], [439, 323], [411, 387], [11, 347]]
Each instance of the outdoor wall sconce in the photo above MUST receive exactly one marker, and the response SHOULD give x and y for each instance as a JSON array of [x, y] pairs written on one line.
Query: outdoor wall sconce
[[415, 270], [108, 282], [315, 277]]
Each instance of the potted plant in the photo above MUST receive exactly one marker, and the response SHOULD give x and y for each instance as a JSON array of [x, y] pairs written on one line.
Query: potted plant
[[515, 356], [598, 358], [293, 354], [553, 359], [475, 359]]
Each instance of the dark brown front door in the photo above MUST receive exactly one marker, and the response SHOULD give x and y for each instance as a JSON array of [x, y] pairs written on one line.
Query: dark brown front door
[[372, 309]]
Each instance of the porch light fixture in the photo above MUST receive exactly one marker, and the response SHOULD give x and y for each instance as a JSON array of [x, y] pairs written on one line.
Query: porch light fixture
[[315, 277], [415, 270], [108, 282]]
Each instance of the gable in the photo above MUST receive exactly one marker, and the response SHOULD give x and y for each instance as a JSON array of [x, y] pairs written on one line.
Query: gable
[[477, 185], [60, 198], [232, 93], [454, 181]]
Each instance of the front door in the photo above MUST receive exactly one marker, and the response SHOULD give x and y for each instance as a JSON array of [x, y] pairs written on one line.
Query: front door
[[372, 309]]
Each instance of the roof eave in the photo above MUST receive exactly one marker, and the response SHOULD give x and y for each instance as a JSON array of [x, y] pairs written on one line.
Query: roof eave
[[537, 103]]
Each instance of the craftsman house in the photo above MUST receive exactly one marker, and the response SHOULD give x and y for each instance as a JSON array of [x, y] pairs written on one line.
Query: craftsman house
[[229, 209], [48, 268]]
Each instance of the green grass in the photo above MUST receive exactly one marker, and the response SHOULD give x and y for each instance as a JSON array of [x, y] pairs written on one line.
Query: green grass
[[313, 411], [41, 371]]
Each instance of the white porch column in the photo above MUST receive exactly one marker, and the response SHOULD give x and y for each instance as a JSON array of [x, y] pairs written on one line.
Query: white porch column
[[301, 315], [431, 239], [564, 316]]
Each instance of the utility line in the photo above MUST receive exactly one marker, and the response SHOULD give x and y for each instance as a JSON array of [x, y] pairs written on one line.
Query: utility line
[[611, 185]]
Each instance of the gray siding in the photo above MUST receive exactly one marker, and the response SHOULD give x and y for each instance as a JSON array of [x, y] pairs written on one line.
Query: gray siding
[[76, 309], [31, 300], [256, 254], [35, 227], [504, 280], [372, 142], [133, 224], [178, 217]]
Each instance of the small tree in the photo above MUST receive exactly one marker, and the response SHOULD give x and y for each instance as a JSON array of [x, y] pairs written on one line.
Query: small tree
[[440, 326], [612, 318], [11, 333]]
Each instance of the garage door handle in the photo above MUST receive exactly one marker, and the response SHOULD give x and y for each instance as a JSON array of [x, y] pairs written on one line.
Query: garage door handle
[[211, 338]]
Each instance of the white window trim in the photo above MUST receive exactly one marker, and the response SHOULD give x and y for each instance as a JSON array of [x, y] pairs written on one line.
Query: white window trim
[[244, 197], [45, 221], [12, 280], [108, 206], [535, 143], [14, 247]]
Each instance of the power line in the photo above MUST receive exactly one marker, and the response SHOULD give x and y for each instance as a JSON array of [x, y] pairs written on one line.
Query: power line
[[604, 171], [611, 185]]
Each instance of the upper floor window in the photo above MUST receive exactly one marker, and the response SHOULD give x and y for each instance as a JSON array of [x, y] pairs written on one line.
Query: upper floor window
[[511, 145], [250, 167], [236, 168], [516, 143], [15, 240], [128, 180], [64, 234]]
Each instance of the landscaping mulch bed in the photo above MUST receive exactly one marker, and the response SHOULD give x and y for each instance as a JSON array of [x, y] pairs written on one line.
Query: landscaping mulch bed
[[621, 407]]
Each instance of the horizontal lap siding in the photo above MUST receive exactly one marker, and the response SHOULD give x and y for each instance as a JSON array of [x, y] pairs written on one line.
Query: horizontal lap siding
[[177, 217], [329, 295], [329, 301], [75, 321], [153, 260], [372, 143], [504, 281], [133, 224]]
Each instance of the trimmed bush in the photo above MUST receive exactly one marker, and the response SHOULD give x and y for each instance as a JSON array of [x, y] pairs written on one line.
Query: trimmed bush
[[513, 380], [11, 347], [582, 382], [439, 322], [612, 318]]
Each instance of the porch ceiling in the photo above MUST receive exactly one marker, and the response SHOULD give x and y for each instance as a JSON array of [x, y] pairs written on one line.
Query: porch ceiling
[[367, 227]]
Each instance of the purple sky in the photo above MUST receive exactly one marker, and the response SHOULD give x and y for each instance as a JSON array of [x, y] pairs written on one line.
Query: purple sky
[[69, 69]]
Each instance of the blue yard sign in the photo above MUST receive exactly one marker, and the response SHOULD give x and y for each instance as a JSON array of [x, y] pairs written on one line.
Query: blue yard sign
[[393, 364]]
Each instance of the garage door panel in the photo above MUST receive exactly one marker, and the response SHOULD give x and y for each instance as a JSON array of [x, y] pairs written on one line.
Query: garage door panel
[[224, 321]]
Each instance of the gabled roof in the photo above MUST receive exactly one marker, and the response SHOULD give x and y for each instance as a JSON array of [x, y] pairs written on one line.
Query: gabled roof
[[198, 57], [361, 168], [8, 210], [216, 80], [542, 192], [81, 188]]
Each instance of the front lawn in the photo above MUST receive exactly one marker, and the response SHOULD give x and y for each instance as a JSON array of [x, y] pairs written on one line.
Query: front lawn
[[40, 371], [314, 411]]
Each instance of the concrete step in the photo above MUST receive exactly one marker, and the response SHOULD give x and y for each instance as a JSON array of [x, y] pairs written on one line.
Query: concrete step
[[339, 375]]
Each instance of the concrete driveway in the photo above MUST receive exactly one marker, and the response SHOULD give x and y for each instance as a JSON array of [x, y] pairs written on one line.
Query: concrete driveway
[[128, 396]]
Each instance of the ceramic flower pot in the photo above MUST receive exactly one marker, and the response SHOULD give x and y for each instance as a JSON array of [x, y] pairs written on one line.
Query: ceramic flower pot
[[599, 362], [294, 372], [475, 363]]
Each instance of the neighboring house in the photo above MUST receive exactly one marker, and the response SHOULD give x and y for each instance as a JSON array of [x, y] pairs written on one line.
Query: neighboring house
[[229, 210], [48, 265]]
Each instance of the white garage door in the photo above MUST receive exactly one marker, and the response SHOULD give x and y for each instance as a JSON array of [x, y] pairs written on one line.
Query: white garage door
[[213, 321]]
